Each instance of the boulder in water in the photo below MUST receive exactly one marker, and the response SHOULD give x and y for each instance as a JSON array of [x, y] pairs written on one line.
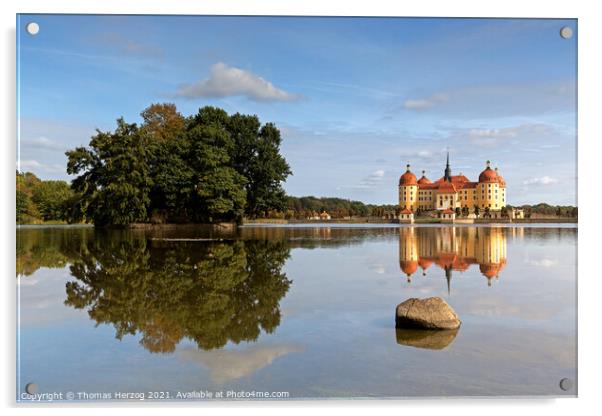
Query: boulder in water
[[429, 313]]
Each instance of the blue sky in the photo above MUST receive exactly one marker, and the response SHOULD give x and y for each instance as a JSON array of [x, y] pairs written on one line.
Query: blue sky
[[355, 98]]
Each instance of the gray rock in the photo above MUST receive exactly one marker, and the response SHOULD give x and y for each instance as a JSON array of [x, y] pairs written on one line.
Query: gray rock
[[429, 313]]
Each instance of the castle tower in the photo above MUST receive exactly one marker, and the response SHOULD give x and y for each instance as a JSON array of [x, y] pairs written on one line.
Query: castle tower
[[408, 190], [491, 190]]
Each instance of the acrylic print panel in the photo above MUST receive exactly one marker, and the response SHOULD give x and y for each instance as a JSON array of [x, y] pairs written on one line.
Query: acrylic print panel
[[280, 208]]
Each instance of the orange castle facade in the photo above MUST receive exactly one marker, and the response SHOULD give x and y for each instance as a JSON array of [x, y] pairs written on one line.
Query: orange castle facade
[[452, 191]]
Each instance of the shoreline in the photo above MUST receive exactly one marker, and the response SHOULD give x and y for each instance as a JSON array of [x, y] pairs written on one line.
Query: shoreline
[[225, 226], [460, 221]]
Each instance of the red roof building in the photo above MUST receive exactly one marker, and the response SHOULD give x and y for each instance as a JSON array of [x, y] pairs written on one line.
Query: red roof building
[[452, 191]]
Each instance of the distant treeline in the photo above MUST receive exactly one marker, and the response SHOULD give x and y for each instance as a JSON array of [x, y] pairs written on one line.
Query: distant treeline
[[543, 209], [307, 206], [43, 201]]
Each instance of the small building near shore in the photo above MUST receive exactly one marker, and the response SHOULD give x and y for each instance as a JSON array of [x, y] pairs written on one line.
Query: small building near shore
[[516, 214], [325, 216], [406, 216], [448, 215], [314, 216]]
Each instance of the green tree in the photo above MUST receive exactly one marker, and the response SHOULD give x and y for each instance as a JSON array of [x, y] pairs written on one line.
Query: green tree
[[51, 198], [220, 188], [504, 212], [256, 156], [23, 203], [114, 177], [164, 132], [27, 211]]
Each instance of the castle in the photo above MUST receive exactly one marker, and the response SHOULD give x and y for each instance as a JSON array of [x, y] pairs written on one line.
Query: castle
[[452, 192]]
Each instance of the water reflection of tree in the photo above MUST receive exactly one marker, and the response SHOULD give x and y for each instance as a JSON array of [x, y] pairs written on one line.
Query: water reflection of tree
[[209, 292], [51, 247]]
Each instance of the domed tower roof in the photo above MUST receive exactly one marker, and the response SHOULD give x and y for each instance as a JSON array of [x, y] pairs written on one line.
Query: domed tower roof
[[488, 175], [500, 179], [424, 180], [408, 178]]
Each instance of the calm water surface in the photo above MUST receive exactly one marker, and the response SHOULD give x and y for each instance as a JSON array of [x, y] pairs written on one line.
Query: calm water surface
[[305, 310]]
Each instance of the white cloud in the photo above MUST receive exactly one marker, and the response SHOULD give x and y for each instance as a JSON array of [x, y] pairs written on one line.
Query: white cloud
[[42, 142], [227, 81], [543, 262], [491, 133], [543, 181], [36, 167], [371, 181], [419, 154], [425, 103], [29, 164], [500, 100], [518, 134]]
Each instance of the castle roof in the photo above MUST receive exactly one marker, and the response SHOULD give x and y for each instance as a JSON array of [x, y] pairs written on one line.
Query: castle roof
[[469, 185], [456, 179], [449, 211], [432, 185], [488, 175], [408, 178], [406, 211], [447, 187], [424, 180]]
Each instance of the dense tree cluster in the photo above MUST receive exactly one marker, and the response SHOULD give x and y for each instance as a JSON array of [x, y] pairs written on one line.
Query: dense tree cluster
[[204, 168], [39, 201]]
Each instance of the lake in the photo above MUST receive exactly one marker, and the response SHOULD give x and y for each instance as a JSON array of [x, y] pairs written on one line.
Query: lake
[[296, 311]]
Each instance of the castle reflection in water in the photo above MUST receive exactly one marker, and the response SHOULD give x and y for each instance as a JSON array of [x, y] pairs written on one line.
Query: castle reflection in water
[[453, 249]]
